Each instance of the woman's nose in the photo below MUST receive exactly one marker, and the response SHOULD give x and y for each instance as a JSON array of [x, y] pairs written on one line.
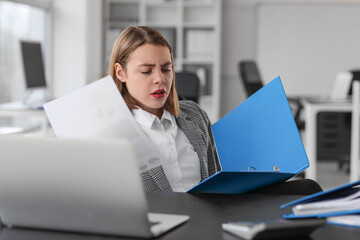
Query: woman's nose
[[159, 76]]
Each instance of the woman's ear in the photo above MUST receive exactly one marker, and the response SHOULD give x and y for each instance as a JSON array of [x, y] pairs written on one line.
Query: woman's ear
[[120, 72]]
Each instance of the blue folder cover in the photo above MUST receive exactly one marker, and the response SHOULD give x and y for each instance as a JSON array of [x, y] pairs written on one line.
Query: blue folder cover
[[334, 193], [254, 139], [238, 182]]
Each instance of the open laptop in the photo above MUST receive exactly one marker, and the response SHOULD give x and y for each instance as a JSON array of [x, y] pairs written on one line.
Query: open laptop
[[80, 185]]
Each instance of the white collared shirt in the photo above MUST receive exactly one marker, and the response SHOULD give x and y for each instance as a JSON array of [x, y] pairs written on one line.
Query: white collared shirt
[[182, 165]]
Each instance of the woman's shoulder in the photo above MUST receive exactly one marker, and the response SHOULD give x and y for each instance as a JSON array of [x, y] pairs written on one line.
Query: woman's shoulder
[[192, 110], [189, 107]]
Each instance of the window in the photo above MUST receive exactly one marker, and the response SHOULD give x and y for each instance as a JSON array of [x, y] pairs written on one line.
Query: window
[[21, 20]]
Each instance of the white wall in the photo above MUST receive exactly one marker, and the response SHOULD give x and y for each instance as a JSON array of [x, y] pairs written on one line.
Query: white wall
[[307, 44], [76, 44], [238, 43], [94, 40]]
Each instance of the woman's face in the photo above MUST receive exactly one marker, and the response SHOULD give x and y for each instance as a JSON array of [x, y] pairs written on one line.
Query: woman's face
[[148, 77]]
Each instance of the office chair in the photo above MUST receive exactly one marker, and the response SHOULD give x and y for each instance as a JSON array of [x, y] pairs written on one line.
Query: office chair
[[356, 76], [187, 85], [252, 82]]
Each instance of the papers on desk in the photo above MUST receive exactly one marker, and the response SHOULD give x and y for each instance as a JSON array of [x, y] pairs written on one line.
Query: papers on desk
[[350, 202], [345, 220], [341, 201], [99, 111], [258, 144]]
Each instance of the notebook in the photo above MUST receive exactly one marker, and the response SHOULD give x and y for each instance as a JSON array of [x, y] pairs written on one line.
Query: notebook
[[78, 185]]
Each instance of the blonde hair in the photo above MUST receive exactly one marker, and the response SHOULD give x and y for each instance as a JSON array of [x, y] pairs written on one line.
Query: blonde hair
[[127, 42]]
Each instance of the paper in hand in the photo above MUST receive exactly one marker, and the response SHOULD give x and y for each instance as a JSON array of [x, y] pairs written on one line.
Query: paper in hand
[[99, 111]]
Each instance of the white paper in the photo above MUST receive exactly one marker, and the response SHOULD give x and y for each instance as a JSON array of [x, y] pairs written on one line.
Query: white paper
[[348, 220], [99, 111], [350, 202]]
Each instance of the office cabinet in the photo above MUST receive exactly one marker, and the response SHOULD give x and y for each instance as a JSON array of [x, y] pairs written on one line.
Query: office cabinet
[[192, 27], [333, 136]]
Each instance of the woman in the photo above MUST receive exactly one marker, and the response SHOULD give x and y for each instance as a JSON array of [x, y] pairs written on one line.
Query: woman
[[142, 67]]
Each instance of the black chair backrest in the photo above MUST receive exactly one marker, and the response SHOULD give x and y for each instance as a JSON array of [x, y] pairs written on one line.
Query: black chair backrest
[[250, 76], [356, 76], [187, 85]]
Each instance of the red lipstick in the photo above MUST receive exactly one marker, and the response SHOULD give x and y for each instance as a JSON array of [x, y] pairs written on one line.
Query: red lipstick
[[160, 93]]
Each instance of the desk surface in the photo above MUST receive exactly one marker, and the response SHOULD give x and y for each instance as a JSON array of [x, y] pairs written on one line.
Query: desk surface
[[207, 212], [17, 109], [326, 100], [19, 106]]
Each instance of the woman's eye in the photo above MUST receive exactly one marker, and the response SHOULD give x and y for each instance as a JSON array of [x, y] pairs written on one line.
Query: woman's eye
[[146, 72], [166, 70]]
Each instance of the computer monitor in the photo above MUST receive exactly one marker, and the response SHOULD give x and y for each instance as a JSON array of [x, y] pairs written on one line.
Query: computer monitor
[[33, 64]]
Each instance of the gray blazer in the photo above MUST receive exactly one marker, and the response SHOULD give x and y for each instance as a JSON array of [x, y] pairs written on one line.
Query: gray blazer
[[197, 127]]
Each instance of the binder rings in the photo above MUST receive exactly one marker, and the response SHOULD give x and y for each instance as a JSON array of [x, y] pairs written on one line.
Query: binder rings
[[345, 193], [258, 144]]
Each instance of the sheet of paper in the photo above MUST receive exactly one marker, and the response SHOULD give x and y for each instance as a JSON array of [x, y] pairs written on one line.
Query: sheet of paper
[[99, 111], [346, 220], [347, 199]]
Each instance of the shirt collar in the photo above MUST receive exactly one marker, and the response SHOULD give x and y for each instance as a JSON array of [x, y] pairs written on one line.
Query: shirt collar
[[168, 120], [149, 120]]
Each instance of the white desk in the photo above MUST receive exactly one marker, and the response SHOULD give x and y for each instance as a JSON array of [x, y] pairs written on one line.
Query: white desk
[[16, 109], [312, 108]]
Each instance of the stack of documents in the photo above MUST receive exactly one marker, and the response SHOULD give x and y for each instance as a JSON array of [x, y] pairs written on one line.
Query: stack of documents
[[340, 205], [345, 220]]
